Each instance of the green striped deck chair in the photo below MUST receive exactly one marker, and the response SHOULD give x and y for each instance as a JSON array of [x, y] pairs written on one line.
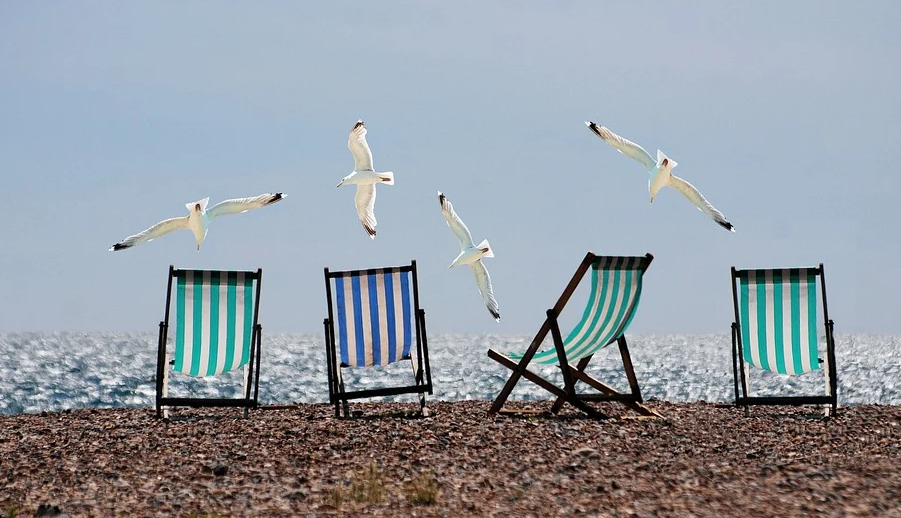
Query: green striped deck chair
[[775, 329], [374, 320], [216, 330], [615, 292]]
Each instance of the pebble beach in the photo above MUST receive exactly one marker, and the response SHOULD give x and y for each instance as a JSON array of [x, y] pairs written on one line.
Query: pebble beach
[[700, 459]]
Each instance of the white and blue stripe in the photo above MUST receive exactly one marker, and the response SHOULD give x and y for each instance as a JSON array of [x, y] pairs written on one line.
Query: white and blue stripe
[[375, 317]]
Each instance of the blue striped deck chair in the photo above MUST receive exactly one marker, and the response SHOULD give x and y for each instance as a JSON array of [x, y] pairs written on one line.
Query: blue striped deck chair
[[216, 331], [615, 291], [374, 319], [775, 329]]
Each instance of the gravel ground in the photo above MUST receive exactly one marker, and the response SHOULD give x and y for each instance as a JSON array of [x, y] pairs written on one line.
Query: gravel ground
[[700, 460]]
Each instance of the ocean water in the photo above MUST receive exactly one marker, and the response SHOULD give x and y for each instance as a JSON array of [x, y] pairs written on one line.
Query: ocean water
[[57, 371]]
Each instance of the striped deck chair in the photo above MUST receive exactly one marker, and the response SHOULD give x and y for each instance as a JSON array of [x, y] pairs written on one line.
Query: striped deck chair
[[374, 319], [775, 329], [615, 292], [216, 331]]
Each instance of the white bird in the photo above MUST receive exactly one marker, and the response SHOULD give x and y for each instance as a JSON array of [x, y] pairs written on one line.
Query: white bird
[[661, 173], [364, 177], [199, 218], [471, 254]]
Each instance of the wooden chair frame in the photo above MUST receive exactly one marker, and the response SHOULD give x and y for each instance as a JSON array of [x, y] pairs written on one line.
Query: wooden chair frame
[[572, 373]]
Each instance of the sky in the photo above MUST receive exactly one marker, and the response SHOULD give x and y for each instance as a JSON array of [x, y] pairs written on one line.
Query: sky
[[113, 115]]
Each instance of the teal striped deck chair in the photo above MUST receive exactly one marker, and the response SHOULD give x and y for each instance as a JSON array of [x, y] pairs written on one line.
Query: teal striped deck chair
[[615, 292], [374, 320], [216, 330], [775, 329]]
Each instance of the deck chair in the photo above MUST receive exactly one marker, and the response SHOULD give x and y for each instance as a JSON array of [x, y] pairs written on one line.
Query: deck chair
[[615, 291], [775, 329], [216, 331], [374, 319]]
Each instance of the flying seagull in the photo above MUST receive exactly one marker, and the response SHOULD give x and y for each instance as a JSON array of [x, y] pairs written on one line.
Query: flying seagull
[[471, 254], [661, 173], [364, 177], [199, 218]]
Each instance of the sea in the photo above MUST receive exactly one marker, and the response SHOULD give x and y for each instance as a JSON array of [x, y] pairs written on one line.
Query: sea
[[67, 370]]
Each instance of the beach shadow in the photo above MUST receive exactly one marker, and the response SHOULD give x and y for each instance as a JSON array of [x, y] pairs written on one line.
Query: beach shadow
[[406, 415], [201, 418], [370, 412]]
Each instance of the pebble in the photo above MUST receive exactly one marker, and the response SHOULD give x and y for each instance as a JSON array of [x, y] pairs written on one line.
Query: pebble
[[699, 460]]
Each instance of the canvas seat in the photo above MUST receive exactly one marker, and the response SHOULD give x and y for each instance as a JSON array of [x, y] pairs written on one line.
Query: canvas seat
[[216, 331], [775, 329], [374, 320], [616, 284]]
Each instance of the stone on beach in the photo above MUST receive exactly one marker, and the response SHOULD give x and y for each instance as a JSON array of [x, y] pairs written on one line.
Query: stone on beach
[[701, 460]]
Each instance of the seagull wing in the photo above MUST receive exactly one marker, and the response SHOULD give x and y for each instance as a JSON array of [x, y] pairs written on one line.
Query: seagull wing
[[356, 143], [161, 228], [365, 202], [455, 223], [239, 205], [689, 191], [626, 147], [483, 281]]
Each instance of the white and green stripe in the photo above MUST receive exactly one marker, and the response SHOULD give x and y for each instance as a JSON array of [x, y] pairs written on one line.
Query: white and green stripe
[[615, 292], [778, 319], [214, 321]]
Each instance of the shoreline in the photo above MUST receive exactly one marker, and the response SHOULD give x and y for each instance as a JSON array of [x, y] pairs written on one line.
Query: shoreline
[[702, 459]]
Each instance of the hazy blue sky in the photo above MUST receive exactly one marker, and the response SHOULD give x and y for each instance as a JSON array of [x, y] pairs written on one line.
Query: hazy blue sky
[[113, 115]]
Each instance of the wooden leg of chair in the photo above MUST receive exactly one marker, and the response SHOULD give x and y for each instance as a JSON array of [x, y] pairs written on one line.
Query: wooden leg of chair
[[580, 367], [519, 368], [417, 379], [630, 371], [569, 384], [746, 382], [606, 389], [546, 385], [340, 402], [828, 380], [165, 388], [247, 383]]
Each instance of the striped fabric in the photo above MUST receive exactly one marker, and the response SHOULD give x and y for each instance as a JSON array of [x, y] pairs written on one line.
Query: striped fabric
[[778, 319], [615, 291], [375, 316], [214, 321]]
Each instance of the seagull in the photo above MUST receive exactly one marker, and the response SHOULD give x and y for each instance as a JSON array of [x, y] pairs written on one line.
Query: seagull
[[199, 218], [661, 172], [364, 177], [471, 254]]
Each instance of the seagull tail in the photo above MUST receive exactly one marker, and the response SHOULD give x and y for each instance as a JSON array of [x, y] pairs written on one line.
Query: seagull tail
[[485, 246], [387, 177]]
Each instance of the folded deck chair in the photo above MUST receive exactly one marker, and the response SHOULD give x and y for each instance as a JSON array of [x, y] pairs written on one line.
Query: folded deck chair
[[775, 329], [374, 320], [216, 331], [615, 291]]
